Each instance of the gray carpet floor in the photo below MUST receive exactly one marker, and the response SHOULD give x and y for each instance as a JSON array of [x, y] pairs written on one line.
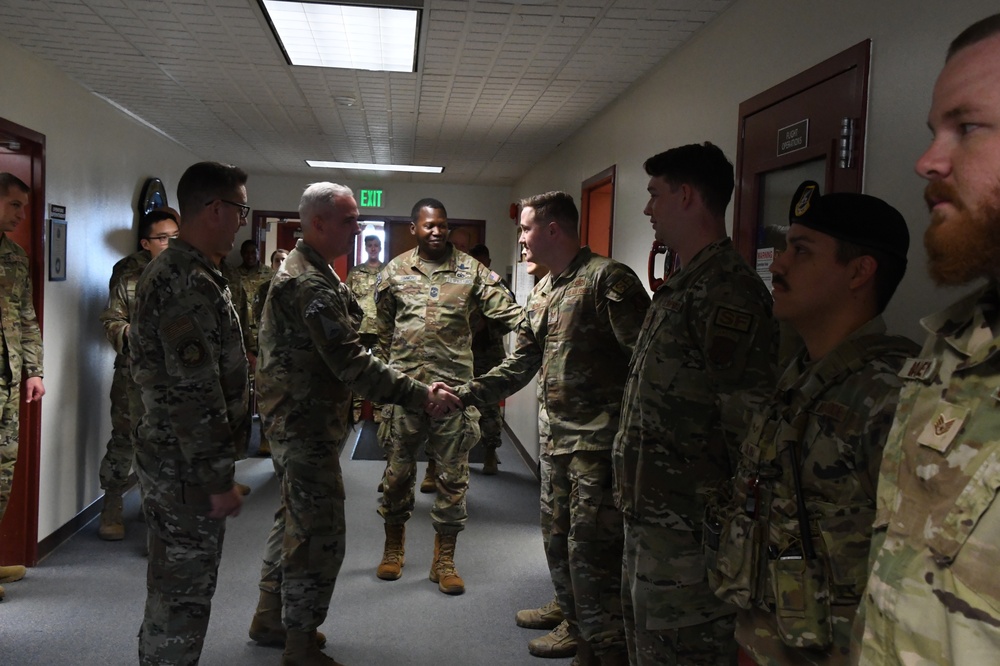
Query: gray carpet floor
[[83, 603]]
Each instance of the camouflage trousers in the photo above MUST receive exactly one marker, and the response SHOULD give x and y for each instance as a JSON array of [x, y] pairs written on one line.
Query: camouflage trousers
[[448, 442], [117, 460], [545, 497], [305, 549], [10, 422], [663, 578], [185, 547], [369, 341], [490, 425], [585, 548]]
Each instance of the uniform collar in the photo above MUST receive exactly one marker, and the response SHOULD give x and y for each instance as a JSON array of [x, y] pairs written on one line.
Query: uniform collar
[[453, 261], [580, 260], [177, 245], [316, 260], [968, 325], [705, 255]]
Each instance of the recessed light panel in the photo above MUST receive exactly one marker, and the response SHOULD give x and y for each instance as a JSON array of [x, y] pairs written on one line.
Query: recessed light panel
[[322, 164], [348, 36]]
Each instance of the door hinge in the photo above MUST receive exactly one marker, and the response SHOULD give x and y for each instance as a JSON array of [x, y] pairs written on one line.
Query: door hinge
[[846, 160]]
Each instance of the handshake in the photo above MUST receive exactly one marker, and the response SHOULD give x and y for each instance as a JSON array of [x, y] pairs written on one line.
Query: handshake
[[441, 400]]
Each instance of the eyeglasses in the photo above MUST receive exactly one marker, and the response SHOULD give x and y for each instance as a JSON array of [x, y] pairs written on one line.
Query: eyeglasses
[[162, 239], [244, 209]]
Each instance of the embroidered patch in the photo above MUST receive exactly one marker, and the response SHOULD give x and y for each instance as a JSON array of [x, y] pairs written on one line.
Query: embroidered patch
[[833, 410], [940, 431], [178, 328], [435, 291], [734, 319], [674, 306], [191, 353], [920, 369]]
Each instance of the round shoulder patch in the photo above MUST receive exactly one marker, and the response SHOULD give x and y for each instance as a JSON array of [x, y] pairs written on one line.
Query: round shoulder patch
[[191, 353]]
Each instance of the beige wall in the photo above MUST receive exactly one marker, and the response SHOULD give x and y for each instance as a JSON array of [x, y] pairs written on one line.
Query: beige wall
[[695, 93], [96, 162]]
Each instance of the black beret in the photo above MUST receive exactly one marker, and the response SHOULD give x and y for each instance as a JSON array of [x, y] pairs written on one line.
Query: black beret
[[854, 218]]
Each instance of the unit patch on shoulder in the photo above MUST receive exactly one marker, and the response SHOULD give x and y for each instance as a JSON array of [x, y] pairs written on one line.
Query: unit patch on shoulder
[[192, 353], [733, 319]]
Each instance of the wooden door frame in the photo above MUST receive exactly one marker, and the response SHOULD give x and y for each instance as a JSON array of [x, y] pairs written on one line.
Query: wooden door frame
[[748, 184], [27, 471], [596, 181]]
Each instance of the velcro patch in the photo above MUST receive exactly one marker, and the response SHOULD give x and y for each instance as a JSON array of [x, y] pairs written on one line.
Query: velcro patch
[[833, 410], [178, 328], [920, 369], [192, 353], [733, 319]]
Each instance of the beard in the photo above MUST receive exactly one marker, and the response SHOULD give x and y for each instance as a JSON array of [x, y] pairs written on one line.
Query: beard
[[965, 245]]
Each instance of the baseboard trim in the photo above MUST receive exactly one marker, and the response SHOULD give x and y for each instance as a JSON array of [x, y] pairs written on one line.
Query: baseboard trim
[[48, 545], [525, 456]]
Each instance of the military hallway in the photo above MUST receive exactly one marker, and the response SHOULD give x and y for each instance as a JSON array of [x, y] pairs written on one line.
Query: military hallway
[[83, 604]]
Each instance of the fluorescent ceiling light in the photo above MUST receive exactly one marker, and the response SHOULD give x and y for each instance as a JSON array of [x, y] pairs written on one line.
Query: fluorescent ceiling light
[[322, 164], [349, 36]]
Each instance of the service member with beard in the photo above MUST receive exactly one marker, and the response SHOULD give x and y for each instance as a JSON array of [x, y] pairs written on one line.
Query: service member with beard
[[934, 594]]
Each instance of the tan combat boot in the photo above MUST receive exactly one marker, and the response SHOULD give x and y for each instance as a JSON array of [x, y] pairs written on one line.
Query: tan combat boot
[[429, 484], [12, 573], [266, 627], [547, 617], [301, 650], [243, 488], [443, 570], [556, 644], [490, 462], [112, 527], [391, 566]]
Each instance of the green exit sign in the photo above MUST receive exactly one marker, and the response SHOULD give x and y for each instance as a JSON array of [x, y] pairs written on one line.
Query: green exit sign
[[370, 199]]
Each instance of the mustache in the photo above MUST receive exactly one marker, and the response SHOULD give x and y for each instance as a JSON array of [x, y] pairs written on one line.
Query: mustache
[[939, 190]]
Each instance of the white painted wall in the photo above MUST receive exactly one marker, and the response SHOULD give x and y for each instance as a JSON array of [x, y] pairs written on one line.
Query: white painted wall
[[96, 162], [695, 93]]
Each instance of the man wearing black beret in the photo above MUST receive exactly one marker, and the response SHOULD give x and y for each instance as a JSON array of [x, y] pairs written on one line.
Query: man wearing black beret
[[792, 534]]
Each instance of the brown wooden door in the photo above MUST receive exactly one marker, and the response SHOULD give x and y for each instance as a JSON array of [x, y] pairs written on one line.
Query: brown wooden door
[[794, 132], [22, 153]]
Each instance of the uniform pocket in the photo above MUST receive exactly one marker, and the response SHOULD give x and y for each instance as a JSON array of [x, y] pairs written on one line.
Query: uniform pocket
[[731, 550], [802, 602]]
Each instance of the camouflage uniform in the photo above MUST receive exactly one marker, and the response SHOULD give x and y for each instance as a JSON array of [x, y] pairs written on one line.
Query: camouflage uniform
[[188, 359], [20, 353], [829, 419], [241, 302], [707, 345], [311, 359], [487, 353], [361, 281], [125, 400], [425, 314], [580, 329], [250, 281], [934, 594]]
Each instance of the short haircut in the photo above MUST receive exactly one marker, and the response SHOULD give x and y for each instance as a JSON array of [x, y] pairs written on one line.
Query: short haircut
[[205, 182], [147, 222], [318, 196], [247, 243], [8, 181], [702, 166], [426, 202], [888, 275], [555, 207], [975, 33], [275, 254], [479, 250], [372, 237]]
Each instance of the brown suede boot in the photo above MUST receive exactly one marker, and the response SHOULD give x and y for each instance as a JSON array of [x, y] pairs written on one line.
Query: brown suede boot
[[301, 650], [243, 488], [429, 484], [443, 570], [112, 527], [547, 617], [391, 566], [556, 644], [12, 573], [266, 627], [490, 462]]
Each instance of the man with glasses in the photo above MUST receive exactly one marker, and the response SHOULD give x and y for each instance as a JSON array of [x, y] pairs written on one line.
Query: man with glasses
[[187, 356], [155, 232]]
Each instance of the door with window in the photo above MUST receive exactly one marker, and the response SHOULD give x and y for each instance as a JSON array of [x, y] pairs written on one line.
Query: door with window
[[810, 127]]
